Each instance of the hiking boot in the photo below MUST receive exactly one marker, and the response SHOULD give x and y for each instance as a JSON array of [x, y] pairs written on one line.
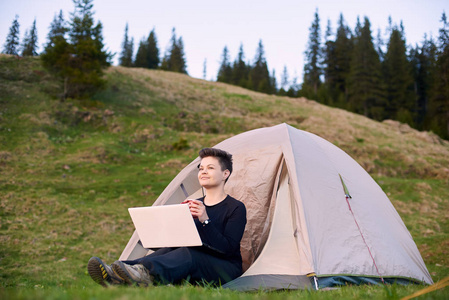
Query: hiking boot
[[133, 274], [102, 273]]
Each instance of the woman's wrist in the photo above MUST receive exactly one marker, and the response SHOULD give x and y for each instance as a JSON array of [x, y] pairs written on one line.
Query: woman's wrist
[[203, 218]]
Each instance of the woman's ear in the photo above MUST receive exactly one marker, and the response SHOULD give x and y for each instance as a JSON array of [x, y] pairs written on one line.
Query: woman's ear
[[226, 174]]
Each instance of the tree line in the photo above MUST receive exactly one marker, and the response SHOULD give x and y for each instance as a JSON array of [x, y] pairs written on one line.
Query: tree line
[[29, 44], [76, 54], [147, 55], [380, 79], [349, 69], [255, 76]]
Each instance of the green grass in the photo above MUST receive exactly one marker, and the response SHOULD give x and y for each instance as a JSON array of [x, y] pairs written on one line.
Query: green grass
[[69, 171], [85, 290]]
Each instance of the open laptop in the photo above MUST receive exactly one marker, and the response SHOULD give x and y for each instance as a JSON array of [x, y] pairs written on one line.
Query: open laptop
[[165, 226]]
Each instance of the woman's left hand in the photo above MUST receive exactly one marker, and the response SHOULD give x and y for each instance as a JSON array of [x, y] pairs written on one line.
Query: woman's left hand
[[198, 210]]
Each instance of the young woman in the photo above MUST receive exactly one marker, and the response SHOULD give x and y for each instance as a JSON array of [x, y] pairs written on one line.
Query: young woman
[[220, 220]]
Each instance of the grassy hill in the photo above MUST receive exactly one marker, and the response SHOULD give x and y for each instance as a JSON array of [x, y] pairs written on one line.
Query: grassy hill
[[69, 171]]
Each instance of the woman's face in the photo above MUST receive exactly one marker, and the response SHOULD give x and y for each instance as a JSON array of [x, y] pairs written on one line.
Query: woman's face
[[210, 173]]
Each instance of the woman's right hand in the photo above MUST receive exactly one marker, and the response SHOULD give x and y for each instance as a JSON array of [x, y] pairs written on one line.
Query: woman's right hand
[[187, 201], [197, 209]]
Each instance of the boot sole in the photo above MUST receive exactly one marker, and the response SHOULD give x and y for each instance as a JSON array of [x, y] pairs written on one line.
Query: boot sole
[[97, 271]]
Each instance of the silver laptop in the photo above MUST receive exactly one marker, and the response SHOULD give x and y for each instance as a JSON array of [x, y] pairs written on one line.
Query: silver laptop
[[165, 226]]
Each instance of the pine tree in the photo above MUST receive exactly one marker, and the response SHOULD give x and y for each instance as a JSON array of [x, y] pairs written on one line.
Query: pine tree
[[165, 59], [102, 57], [439, 99], [365, 91], [153, 51], [225, 70], [358, 28], [390, 25], [401, 104], [259, 76], [240, 70], [174, 58], [205, 69], [330, 69], [148, 53], [80, 60], [343, 52], [312, 66], [57, 57], [126, 56], [178, 57], [29, 46], [58, 30], [273, 82], [89, 55], [141, 60], [423, 61], [380, 45], [284, 82], [12, 40], [130, 52], [294, 87]]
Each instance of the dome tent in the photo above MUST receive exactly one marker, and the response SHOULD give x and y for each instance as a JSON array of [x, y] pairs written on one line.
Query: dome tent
[[315, 217]]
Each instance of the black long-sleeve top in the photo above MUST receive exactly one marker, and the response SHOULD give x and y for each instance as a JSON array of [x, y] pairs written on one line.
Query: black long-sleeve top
[[225, 230]]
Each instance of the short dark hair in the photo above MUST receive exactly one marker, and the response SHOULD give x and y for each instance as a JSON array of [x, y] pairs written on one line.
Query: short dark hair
[[224, 158]]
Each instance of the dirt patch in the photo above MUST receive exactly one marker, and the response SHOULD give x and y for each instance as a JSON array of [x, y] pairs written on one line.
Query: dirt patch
[[43, 118], [5, 156], [144, 135], [172, 164], [422, 186], [95, 155]]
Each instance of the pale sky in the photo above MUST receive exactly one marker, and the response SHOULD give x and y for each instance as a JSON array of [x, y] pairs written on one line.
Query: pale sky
[[206, 26]]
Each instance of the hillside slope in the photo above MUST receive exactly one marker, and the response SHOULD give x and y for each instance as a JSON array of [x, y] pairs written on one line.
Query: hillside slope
[[387, 148], [70, 169]]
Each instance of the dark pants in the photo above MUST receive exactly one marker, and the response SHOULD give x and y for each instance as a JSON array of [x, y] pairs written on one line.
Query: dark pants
[[172, 265]]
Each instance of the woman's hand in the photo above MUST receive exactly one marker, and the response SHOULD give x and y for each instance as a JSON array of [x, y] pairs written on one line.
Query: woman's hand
[[197, 209]]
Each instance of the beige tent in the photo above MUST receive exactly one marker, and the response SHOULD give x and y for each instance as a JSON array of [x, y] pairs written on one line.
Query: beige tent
[[316, 218]]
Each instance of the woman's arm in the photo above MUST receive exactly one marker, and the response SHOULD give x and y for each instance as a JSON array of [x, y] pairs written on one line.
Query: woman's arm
[[228, 241]]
